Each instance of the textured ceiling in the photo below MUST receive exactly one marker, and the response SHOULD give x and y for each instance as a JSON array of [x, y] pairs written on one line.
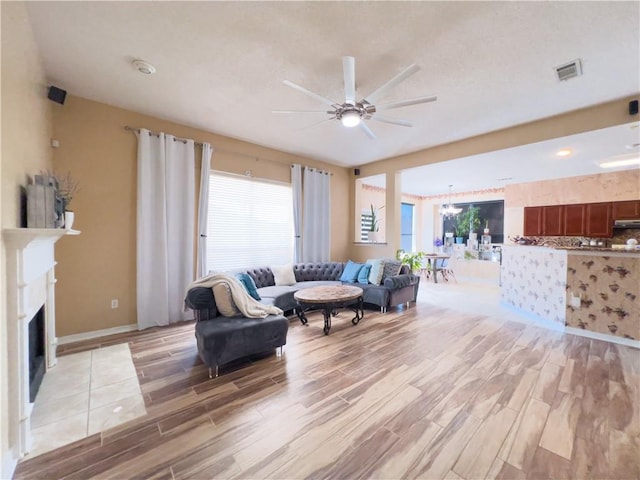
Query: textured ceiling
[[220, 65]]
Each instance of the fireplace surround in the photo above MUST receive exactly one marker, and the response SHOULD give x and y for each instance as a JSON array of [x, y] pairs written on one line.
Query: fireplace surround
[[30, 294]]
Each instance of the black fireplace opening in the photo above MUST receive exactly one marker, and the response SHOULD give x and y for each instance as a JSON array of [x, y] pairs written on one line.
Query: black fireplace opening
[[36, 353]]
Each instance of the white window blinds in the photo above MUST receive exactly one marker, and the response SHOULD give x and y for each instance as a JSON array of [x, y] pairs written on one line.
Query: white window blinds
[[250, 223]]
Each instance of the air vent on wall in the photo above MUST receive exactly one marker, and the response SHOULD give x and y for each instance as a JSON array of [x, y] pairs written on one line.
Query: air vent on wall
[[569, 70]]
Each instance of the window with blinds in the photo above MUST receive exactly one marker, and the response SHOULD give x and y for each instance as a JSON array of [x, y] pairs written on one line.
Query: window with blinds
[[250, 223], [366, 219]]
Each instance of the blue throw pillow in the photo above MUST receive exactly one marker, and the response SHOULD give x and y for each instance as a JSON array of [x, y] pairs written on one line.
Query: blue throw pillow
[[249, 285], [363, 275], [350, 272]]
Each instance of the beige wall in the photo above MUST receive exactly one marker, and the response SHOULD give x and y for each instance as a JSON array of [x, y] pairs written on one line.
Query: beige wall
[[26, 128], [100, 264], [578, 121]]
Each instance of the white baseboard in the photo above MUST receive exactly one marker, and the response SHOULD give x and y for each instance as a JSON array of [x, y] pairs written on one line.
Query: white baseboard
[[537, 320], [78, 337], [604, 337], [545, 323]]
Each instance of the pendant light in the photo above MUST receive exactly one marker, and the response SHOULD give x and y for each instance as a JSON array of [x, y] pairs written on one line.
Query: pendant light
[[449, 210]]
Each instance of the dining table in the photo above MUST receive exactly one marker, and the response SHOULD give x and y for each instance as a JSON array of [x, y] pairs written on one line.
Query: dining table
[[432, 260]]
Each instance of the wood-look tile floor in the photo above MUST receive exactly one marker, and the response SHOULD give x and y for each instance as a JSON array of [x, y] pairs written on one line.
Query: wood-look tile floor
[[426, 392]]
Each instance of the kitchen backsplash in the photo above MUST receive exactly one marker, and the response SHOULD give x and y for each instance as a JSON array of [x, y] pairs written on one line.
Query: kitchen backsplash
[[620, 236]]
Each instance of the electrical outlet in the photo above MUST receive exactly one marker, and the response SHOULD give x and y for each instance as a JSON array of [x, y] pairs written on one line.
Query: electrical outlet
[[114, 303], [575, 301]]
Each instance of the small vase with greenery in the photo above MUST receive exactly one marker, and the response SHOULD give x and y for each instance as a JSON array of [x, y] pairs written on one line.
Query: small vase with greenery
[[66, 188]]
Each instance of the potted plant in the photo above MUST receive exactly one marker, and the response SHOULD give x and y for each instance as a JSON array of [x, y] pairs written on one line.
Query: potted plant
[[412, 259], [374, 227], [469, 219]]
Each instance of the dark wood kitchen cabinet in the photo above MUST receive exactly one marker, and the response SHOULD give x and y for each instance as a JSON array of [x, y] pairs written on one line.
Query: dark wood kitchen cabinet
[[599, 220], [626, 210], [553, 220], [532, 221], [575, 219]]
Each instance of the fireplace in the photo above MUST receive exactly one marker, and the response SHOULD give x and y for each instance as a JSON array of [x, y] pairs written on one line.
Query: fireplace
[[31, 333], [36, 353]]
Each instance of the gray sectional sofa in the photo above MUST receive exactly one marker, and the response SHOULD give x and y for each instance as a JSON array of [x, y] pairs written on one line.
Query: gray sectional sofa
[[223, 339]]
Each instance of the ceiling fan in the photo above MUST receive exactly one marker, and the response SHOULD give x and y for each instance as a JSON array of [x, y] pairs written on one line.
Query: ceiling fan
[[352, 113]]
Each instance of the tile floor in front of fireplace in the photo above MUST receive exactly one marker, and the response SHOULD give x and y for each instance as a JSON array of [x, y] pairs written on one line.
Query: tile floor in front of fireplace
[[83, 394]]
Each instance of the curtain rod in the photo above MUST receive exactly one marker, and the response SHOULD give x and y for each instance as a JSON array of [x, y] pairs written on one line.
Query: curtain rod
[[316, 168], [156, 134], [184, 140]]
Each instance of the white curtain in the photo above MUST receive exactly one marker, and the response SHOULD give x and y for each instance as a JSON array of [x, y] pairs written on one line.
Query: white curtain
[[165, 225], [203, 210], [316, 237], [296, 186]]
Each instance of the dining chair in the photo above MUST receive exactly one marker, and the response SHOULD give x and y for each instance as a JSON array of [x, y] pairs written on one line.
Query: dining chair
[[446, 270]]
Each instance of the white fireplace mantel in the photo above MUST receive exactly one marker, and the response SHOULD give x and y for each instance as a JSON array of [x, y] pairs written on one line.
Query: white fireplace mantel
[[30, 285]]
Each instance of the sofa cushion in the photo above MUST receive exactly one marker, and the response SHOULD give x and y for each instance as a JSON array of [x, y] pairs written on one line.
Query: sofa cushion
[[276, 291], [224, 300], [391, 268], [350, 273], [249, 285], [375, 275], [363, 274], [283, 274]]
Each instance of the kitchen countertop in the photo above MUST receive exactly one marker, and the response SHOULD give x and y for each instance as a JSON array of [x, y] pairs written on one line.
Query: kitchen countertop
[[599, 249], [586, 250]]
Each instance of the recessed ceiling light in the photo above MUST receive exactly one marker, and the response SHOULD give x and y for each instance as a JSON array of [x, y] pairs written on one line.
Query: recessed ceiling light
[[144, 67], [564, 152], [626, 160]]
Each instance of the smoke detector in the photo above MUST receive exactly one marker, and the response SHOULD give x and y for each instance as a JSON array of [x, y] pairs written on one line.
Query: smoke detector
[[569, 70], [144, 67]]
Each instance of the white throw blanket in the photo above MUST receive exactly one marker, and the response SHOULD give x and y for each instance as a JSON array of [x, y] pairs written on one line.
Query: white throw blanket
[[248, 305]]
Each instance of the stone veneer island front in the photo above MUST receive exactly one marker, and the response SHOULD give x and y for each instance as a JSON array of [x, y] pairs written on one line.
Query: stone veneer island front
[[595, 293]]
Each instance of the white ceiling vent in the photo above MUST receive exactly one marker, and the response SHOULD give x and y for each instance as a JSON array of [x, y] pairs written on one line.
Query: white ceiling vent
[[569, 70]]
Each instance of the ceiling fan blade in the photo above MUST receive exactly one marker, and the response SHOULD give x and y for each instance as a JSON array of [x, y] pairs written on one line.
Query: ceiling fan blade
[[315, 123], [403, 75], [309, 92], [394, 121], [406, 103], [365, 128], [349, 70], [299, 111]]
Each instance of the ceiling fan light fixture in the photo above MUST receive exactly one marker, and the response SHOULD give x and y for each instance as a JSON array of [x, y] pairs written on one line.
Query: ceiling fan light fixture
[[350, 118]]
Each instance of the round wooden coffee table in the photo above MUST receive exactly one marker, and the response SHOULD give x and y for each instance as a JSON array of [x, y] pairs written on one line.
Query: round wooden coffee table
[[329, 299]]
